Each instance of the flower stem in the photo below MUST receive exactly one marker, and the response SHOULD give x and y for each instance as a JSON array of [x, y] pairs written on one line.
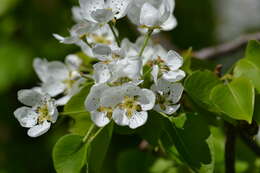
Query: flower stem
[[90, 130], [230, 148], [71, 113], [111, 25], [147, 38], [88, 137]]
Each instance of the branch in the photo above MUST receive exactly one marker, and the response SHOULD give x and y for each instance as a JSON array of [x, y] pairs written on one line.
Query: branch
[[226, 48], [230, 148]]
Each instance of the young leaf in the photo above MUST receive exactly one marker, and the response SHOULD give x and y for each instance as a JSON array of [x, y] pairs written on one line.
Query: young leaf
[[193, 143], [235, 99], [98, 149], [199, 85], [253, 52], [249, 67], [69, 154]]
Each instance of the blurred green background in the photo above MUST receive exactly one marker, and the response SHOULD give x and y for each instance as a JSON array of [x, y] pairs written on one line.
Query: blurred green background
[[26, 28]]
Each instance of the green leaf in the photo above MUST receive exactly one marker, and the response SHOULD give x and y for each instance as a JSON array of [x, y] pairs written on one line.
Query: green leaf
[[76, 110], [249, 67], [98, 149], [199, 85], [6, 5], [134, 161], [235, 99], [253, 52], [257, 109], [80, 124], [191, 143], [154, 124], [69, 154], [76, 103]]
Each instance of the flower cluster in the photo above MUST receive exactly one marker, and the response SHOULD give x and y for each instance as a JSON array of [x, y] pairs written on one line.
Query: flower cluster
[[129, 78]]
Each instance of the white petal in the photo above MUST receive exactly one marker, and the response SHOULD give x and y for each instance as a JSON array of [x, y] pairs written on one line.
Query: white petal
[[102, 52], [174, 60], [66, 40], [112, 97], [88, 6], [101, 73], [73, 62], [119, 7], [58, 70], [146, 99], [169, 109], [176, 92], [174, 76], [29, 97], [134, 12], [149, 15], [132, 67], [120, 118], [138, 119], [41, 68], [53, 87], [102, 15], [170, 23], [99, 118], [92, 101], [26, 116], [39, 130], [63, 100], [155, 72], [76, 13], [55, 115]]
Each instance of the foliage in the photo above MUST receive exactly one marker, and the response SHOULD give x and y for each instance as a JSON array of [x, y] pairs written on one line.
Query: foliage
[[189, 139]]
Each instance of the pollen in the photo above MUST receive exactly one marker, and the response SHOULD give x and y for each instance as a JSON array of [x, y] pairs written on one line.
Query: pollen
[[44, 115]]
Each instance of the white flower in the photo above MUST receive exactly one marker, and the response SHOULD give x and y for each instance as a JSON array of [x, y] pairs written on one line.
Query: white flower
[[87, 35], [127, 105], [58, 78], [115, 66], [39, 114], [167, 96], [155, 14], [103, 11], [166, 66], [99, 114]]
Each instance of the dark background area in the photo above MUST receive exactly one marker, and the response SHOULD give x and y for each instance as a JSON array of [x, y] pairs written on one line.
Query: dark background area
[[26, 28]]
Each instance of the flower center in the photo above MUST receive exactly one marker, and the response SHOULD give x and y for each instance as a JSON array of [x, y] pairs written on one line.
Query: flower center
[[161, 63], [161, 100], [131, 105], [100, 39], [108, 110], [44, 115], [120, 81]]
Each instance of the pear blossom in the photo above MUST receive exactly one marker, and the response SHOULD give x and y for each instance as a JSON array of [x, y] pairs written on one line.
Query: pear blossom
[[127, 105], [115, 66], [58, 78], [86, 35], [103, 11], [153, 14], [167, 96], [38, 114], [167, 66]]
